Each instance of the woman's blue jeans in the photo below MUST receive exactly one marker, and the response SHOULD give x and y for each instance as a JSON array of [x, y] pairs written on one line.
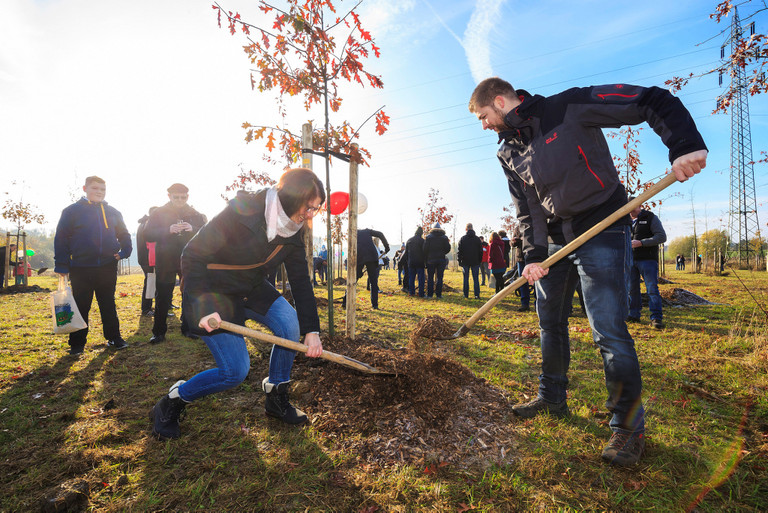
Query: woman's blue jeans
[[233, 361], [602, 264]]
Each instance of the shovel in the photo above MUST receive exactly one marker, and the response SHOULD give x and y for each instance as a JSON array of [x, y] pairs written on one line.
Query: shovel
[[656, 188], [296, 346]]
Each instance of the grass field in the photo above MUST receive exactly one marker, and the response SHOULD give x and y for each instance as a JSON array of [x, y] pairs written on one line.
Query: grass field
[[82, 423]]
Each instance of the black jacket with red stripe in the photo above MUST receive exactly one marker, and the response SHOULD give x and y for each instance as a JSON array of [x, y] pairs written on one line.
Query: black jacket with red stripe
[[557, 162]]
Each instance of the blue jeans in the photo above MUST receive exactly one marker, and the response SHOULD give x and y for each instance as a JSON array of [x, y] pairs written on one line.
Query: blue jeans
[[602, 264], [413, 274], [435, 272], [525, 290], [233, 361], [475, 271], [649, 270]]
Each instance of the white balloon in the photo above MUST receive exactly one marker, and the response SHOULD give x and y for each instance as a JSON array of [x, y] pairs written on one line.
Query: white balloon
[[362, 203]]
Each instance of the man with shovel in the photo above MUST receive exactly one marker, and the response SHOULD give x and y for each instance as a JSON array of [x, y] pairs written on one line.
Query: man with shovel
[[562, 181]]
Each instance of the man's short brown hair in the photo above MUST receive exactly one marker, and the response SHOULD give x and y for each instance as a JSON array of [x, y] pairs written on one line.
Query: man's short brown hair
[[94, 178], [487, 90]]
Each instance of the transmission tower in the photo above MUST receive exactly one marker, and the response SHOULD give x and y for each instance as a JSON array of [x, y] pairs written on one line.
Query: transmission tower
[[743, 225]]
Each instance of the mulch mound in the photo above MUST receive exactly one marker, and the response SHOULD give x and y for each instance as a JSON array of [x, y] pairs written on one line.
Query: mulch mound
[[677, 297], [21, 289], [431, 411], [429, 328]]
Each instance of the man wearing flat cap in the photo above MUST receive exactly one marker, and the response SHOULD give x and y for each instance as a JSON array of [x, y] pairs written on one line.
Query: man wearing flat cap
[[170, 227]]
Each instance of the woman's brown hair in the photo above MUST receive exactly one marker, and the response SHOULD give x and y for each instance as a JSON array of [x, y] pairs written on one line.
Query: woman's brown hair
[[297, 187]]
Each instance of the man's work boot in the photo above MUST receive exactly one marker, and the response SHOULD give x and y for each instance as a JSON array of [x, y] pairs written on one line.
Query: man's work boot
[[166, 413], [277, 404], [531, 409], [624, 449]]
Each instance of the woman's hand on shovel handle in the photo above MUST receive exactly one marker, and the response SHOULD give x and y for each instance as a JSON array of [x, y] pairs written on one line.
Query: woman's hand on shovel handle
[[314, 344], [534, 272], [685, 166], [204, 321]]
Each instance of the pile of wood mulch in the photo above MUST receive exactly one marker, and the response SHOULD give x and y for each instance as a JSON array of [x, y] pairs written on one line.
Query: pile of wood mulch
[[430, 411], [21, 289], [429, 328], [682, 297]]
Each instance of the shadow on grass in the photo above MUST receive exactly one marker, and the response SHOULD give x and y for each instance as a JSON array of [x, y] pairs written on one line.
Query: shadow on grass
[[40, 442]]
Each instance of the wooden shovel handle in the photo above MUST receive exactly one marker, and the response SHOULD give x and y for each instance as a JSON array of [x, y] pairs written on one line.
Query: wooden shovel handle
[[653, 190], [290, 344]]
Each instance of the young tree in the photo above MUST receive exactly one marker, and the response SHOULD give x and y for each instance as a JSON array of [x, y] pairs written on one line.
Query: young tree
[[435, 211], [339, 234], [246, 179], [750, 54], [509, 219], [21, 214], [628, 166], [298, 54]]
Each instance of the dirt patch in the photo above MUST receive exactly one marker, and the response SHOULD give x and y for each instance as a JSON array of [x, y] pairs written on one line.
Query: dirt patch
[[321, 302], [339, 281], [432, 410]]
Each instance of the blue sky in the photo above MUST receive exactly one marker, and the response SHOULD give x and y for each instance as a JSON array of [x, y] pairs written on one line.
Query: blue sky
[[150, 93]]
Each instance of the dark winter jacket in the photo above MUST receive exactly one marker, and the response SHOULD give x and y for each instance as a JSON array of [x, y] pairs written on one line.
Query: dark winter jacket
[[238, 236], [142, 252], [89, 235], [496, 255], [414, 250], [168, 246], [647, 228], [558, 166], [366, 249], [470, 249], [436, 246]]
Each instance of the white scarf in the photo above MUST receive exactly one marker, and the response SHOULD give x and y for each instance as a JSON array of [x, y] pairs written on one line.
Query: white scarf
[[278, 222]]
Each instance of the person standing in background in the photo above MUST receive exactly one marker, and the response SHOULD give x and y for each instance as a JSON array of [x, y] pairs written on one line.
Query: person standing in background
[[90, 238], [470, 254], [647, 234], [142, 255], [436, 246], [170, 227]]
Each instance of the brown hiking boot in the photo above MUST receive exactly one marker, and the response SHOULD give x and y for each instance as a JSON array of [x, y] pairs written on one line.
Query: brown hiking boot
[[624, 449], [531, 409]]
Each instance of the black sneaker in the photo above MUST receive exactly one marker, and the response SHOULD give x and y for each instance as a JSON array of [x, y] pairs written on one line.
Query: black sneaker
[[633, 319], [523, 308], [657, 323], [156, 339], [74, 351], [531, 409], [148, 313], [118, 343], [624, 449]]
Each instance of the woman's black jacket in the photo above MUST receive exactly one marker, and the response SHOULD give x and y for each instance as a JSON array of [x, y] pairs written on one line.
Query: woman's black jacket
[[237, 236]]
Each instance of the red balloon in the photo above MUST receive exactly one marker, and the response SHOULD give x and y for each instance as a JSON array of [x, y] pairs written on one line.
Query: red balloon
[[338, 203]]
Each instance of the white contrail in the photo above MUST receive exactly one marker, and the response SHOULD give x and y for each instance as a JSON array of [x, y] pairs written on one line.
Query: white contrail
[[476, 41], [443, 23]]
